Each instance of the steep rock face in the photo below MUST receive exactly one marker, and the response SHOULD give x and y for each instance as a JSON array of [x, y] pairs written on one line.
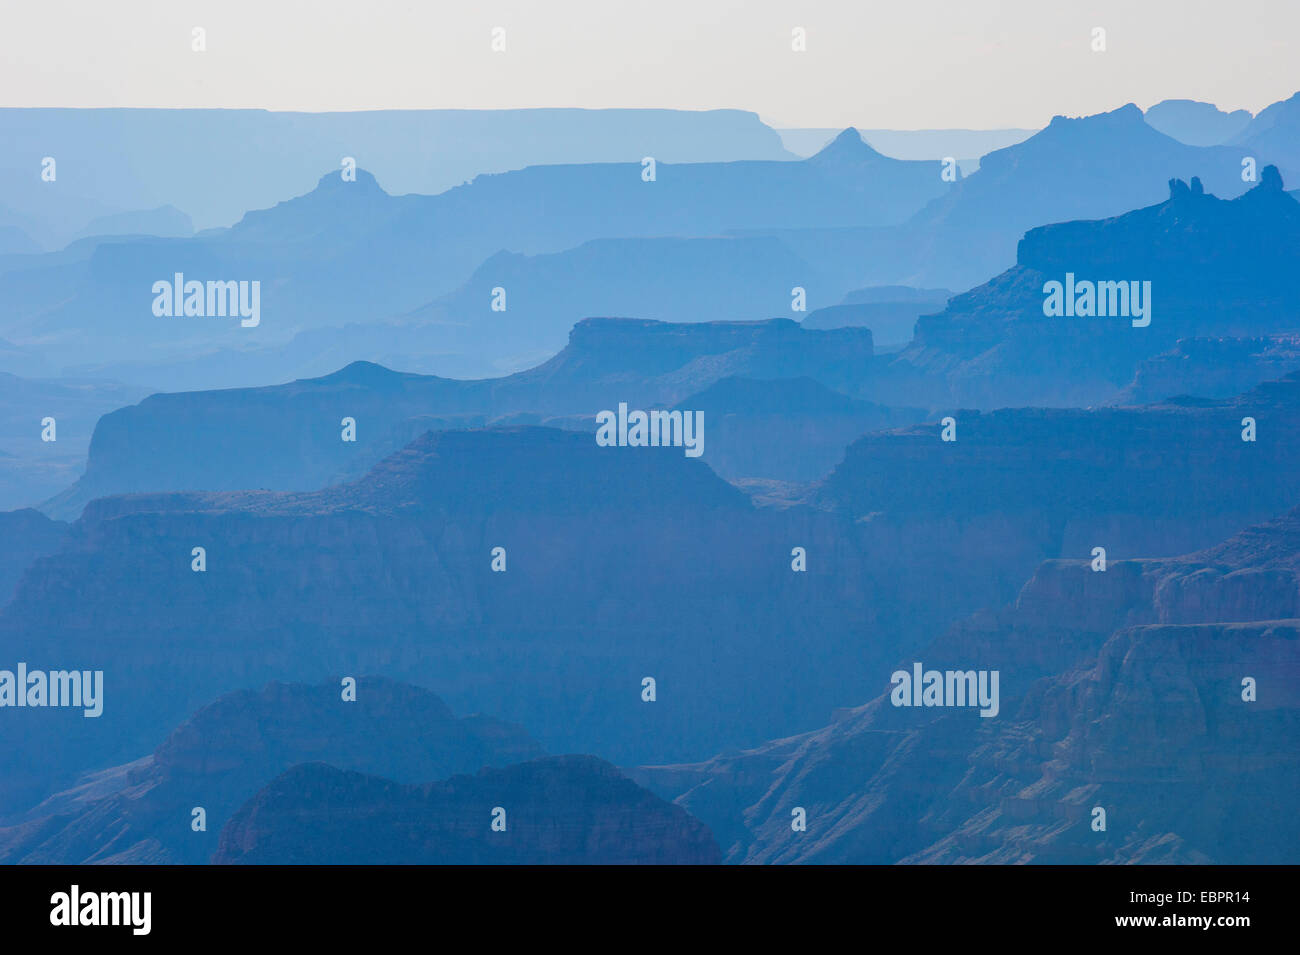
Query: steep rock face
[[24, 536], [563, 810], [1216, 268], [1211, 368], [32, 468], [1157, 734], [889, 311], [141, 812], [1151, 481], [1122, 690], [662, 362]]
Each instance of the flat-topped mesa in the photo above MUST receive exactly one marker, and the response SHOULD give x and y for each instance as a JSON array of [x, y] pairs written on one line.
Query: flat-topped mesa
[[530, 469], [1175, 468], [517, 470], [290, 436]]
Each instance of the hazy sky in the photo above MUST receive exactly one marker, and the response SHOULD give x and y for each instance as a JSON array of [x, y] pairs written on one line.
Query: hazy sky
[[871, 63]]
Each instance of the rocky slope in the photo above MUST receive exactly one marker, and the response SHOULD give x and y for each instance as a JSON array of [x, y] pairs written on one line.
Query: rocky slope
[[1216, 268], [564, 810], [1212, 368], [1121, 690], [622, 563], [24, 536], [140, 812]]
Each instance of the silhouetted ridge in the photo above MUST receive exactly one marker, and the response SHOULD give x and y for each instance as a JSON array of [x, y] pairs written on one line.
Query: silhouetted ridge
[[654, 347], [542, 469], [286, 437], [777, 396], [364, 182], [1196, 123], [1171, 458], [1128, 116], [1257, 232], [522, 469], [230, 748], [847, 147], [1180, 190], [560, 810], [333, 205], [369, 374]]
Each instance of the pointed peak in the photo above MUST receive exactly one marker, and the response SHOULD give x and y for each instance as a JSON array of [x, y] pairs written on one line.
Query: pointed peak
[[849, 144], [366, 373]]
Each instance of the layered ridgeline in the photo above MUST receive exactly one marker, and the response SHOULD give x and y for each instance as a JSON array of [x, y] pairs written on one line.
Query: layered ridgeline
[[1147, 712], [616, 564], [1198, 295], [1191, 268], [1088, 303], [1212, 367], [890, 311], [1085, 168], [289, 437], [1275, 132], [559, 810], [787, 429], [1196, 123], [538, 576], [143, 811], [349, 252], [349, 271], [111, 160]]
